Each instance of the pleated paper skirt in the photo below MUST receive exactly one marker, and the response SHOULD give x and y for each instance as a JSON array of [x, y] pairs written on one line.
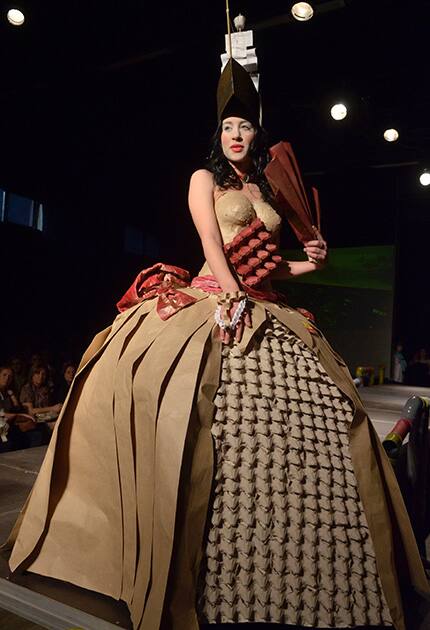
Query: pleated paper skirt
[[253, 466]]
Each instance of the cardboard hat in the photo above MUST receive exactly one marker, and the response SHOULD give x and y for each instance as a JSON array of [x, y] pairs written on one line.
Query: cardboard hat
[[236, 93]]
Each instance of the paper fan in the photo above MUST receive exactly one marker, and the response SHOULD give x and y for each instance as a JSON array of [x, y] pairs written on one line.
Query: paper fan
[[284, 178]]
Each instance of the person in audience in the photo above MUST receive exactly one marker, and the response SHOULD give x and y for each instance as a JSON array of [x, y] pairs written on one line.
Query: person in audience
[[8, 400], [35, 395], [18, 424], [42, 360], [20, 373], [67, 375]]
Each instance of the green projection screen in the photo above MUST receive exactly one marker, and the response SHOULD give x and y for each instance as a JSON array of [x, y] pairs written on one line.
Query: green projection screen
[[352, 300]]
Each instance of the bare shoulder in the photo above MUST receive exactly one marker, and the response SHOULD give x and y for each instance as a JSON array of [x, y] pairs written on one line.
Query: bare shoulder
[[202, 177]]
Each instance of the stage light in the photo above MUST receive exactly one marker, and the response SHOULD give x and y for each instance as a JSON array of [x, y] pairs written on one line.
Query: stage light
[[391, 135], [15, 17], [425, 178], [338, 111], [302, 11]]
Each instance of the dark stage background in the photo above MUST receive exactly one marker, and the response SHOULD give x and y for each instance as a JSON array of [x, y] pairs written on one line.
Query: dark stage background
[[107, 108]]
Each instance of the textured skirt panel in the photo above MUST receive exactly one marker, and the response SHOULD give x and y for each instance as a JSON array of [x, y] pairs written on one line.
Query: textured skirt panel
[[288, 541]]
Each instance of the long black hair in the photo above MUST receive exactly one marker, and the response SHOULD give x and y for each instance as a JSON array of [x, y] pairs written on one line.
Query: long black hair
[[224, 174]]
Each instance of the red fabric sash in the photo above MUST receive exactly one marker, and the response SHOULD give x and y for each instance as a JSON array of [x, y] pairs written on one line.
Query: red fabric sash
[[162, 280], [210, 285]]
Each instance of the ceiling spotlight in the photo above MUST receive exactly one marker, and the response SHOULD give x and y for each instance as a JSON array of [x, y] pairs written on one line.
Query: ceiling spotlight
[[391, 135], [338, 111], [425, 178], [15, 17], [302, 11]]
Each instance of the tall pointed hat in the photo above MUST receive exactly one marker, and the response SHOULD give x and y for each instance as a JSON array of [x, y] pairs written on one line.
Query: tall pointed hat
[[236, 93]]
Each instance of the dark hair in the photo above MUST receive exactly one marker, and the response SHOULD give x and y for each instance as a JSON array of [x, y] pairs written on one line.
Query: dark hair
[[66, 365], [36, 369], [224, 174]]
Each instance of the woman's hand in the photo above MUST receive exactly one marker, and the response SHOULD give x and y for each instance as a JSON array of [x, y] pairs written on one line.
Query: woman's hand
[[227, 334], [316, 250]]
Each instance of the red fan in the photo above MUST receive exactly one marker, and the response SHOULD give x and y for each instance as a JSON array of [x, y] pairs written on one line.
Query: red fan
[[284, 177]]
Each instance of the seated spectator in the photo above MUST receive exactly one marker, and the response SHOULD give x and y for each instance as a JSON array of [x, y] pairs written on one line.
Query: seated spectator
[[8, 401], [35, 395], [42, 360], [36, 360], [19, 424], [20, 373], [68, 373]]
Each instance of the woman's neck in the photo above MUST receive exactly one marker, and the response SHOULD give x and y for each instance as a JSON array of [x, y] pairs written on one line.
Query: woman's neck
[[241, 170]]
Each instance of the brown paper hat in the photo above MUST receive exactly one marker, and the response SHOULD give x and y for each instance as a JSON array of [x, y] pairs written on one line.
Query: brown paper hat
[[236, 93]]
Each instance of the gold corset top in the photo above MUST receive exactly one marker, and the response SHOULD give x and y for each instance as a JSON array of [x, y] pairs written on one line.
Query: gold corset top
[[235, 210]]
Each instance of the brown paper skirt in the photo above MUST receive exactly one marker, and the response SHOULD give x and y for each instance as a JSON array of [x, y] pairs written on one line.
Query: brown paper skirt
[[288, 541]]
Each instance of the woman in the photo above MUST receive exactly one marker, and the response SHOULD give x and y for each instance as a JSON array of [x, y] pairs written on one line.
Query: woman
[[8, 400], [16, 423], [35, 395], [222, 470], [68, 374]]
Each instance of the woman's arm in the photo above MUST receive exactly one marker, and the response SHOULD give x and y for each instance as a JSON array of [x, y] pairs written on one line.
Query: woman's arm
[[291, 268], [27, 402], [200, 199], [201, 202], [316, 251], [34, 410]]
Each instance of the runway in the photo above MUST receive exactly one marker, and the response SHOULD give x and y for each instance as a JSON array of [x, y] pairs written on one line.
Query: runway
[[58, 606]]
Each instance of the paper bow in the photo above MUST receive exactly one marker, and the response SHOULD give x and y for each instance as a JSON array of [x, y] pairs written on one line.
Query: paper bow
[[161, 280], [285, 180]]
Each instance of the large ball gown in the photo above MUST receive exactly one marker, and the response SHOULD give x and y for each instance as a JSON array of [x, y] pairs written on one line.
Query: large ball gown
[[208, 483]]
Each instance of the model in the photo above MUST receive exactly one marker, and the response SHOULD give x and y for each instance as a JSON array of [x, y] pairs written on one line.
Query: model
[[213, 462]]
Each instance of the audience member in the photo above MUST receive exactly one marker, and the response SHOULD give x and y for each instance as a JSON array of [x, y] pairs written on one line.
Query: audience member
[[42, 360], [17, 424], [35, 395], [67, 375], [8, 401], [20, 373], [27, 420]]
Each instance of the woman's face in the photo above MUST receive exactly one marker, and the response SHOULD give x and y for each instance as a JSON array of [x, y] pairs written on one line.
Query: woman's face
[[69, 373], [5, 379], [236, 137], [39, 378]]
